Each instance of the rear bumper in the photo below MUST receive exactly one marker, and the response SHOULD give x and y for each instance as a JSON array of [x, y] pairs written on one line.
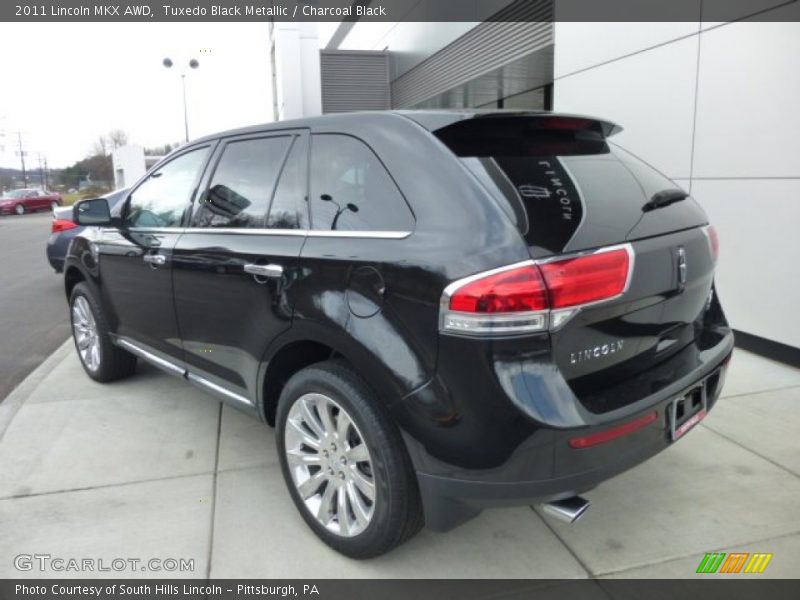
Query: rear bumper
[[545, 468]]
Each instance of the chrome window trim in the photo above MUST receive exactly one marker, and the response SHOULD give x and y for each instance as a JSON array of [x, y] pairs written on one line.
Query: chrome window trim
[[152, 229], [383, 235], [246, 231], [217, 389], [360, 234]]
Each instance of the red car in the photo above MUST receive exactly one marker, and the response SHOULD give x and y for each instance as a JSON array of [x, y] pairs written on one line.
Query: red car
[[28, 200]]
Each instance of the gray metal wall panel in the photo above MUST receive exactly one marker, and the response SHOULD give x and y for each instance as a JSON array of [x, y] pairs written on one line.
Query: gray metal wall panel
[[354, 80], [482, 49]]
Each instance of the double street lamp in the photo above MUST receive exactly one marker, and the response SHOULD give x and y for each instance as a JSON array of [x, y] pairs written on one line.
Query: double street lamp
[[193, 64]]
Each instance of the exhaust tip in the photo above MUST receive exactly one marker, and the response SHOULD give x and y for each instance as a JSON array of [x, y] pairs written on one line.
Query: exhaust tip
[[567, 510]]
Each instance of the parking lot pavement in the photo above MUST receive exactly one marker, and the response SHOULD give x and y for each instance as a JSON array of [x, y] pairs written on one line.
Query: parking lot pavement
[[153, 468], [34, 317]]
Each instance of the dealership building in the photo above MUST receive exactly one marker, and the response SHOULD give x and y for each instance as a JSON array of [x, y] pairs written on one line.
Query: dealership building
[[713, 105]]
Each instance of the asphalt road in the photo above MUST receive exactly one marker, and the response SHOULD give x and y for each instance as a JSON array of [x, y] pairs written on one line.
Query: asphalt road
[[33, 311]]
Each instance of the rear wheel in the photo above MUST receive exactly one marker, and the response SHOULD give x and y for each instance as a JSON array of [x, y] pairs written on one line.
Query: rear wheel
[[54, 205], [19, 209], [345, 463], [102, 360]]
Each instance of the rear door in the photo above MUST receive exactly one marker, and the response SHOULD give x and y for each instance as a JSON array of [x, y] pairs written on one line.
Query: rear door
[[571, 193], [235, 266]]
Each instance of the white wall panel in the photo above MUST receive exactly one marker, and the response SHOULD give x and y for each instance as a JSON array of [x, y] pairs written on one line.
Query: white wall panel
[[651, 94], [757, 276], [589, 44], [748, 115]]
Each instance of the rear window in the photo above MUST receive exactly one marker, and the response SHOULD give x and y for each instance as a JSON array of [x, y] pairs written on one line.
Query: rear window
[[547, 172], [351, 190]]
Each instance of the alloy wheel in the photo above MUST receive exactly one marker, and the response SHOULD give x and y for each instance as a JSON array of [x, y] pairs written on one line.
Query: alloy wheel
[[84, 328], [19, 209], [330, 464]]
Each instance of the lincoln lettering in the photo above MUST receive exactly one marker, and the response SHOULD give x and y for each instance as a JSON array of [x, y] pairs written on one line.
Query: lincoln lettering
[[596, 352], [563, 196]]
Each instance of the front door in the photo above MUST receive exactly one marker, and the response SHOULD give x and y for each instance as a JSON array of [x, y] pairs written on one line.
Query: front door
[[135, 260], [235, 266]]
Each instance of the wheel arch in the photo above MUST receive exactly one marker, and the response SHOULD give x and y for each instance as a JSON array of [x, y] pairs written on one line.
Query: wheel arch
[[72, 277], [303, 346]]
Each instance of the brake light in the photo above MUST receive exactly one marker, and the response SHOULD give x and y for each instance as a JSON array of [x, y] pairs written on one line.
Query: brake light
[[533, 296], [613, 433], [514, 290], [62, 225], [586, 279], [713, 240]]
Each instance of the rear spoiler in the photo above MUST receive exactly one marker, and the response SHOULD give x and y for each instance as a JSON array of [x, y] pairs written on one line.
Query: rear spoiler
[[435, 121], [497, 134]]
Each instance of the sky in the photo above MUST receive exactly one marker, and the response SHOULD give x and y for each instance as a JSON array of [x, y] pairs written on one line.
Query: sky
[[64, 85]]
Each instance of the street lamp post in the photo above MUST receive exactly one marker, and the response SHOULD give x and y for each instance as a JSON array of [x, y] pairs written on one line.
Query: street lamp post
[[193, 64]]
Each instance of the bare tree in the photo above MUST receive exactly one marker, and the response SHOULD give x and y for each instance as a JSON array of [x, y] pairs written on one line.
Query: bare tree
[[118, 138], [99, 147]]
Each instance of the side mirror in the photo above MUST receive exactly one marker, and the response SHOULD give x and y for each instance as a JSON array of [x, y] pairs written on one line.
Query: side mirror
[[91, 212]]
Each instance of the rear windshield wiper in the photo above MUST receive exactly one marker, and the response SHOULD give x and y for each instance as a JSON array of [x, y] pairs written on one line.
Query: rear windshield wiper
[[665, 198]]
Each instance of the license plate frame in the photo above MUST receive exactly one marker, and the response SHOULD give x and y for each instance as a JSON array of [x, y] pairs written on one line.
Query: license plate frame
[[687, 410]]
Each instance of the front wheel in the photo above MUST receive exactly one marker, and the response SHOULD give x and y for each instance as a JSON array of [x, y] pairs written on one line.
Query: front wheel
[[345, 463], [19, 209], [54, 205], [102, 360]]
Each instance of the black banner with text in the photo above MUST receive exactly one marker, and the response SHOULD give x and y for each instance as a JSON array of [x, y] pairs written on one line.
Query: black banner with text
[[398, 10]]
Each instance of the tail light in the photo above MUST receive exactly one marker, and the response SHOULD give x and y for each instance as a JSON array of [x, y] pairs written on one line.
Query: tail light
[[533, 296], [713, 240], [586, 279], [62, 225]]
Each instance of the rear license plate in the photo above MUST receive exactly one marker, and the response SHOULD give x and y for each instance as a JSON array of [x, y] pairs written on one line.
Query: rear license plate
[[687, 411]]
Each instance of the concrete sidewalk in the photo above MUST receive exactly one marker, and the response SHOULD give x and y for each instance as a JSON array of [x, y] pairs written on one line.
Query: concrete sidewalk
[[152, 468]]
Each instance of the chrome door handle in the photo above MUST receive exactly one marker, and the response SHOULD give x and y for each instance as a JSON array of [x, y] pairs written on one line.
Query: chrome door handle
[[155, 259], [274, 271]]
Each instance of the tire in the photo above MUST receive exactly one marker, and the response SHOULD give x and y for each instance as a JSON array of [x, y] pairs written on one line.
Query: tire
[[395, 513], [19, 209], [54, 205], [90, 332]]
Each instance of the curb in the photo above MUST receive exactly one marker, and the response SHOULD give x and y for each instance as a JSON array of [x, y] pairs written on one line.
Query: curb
[[14, 401]]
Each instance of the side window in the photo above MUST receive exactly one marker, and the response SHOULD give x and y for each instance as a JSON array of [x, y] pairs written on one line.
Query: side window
[[289, 209], [351, 190], [162, 198], [242, 185]]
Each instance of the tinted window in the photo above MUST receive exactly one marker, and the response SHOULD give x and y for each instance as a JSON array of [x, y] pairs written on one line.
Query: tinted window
[[289, 209], [242, 185], [351, 190], [162, 198]]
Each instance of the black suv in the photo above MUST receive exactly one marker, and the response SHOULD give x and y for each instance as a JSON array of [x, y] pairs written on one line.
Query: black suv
[[438, 311]]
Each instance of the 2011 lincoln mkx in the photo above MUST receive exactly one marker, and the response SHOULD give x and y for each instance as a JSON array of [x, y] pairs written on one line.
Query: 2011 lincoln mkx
[[439, 312]]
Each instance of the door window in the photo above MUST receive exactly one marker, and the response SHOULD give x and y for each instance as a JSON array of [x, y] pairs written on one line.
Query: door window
[[289, 209], [164, 195], [351, 190], [243, 182]]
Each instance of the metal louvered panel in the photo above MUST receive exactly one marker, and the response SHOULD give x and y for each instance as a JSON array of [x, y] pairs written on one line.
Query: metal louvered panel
[[354, 80], [487, 47]]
